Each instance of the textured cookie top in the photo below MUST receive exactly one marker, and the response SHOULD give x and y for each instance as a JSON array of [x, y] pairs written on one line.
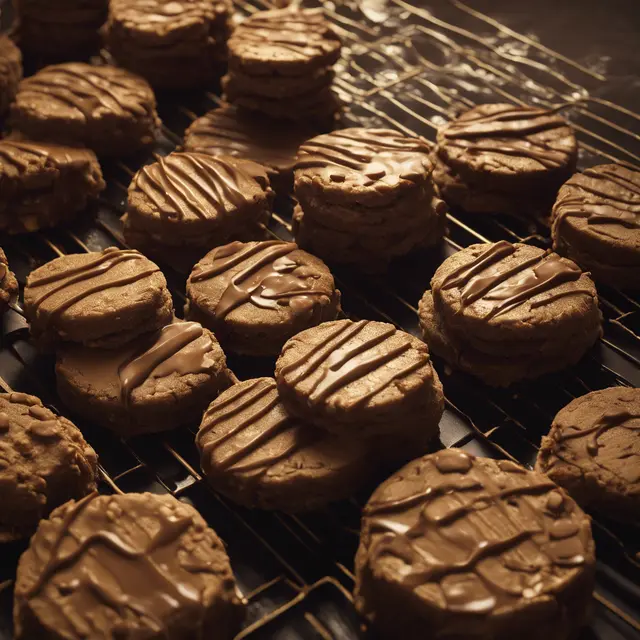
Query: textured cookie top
[[84, 92], [149, 369], [8, 282], [228, 132], [128, 564], [505, 139], [504, 282], [91, 284], [284, 37], [36, 448], [19, 158], [194, 187], [599, 433], [267, 279], [474, 535], [360, 159], [603, 202], [247, 431], [353, 364]]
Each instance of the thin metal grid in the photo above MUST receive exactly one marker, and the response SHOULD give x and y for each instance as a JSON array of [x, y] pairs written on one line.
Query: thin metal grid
[[282, 592]]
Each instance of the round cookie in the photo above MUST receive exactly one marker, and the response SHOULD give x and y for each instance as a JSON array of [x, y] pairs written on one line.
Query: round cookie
[[501, 158], [229, 131], [452, 542], [257, 295], [43, 185], [258, 455], [8, 284], [10, 72], [134, 565], [173, 45], [196, 200], [361, 379], [103, 299], [504, 312], [593, 451], [44, 461], [105, 108], [161, 381], [596, 223]]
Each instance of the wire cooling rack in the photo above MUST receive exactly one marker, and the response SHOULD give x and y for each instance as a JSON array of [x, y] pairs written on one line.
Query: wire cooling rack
[[409, 66]]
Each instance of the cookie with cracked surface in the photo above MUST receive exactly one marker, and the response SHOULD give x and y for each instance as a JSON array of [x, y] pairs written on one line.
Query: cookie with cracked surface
[[364, 379], [10, 72], [593, 451], [104, 108], [257, 295], [43, 184], [596, 223], [257, 454], [453, 542], [195, 200], [8, 283], [129, 565], [103, 299], [502, 158], [161, 381], [504, 312], [44, 461]]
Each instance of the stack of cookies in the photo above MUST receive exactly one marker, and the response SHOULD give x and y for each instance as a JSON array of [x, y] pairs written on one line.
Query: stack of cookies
[[280, 64], [173, 45], [365, 197]]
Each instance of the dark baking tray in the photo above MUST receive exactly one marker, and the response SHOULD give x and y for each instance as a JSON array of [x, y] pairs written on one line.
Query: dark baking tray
[[408, 64]]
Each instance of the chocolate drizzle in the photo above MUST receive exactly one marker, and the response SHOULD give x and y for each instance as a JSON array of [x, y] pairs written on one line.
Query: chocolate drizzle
[[343, 357], [271, 280], [88, 89], [171, 350], [191, 184], [20, 154], [470, 516], [250, 403], [90, 270], [508, 131], [369, 155], [479, 280]]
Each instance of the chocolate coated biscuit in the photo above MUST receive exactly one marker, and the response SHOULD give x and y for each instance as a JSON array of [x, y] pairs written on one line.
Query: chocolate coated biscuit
[[504, 312], [256, 453], [593, 451], [135, 565], [596, 223], [101, 299], [8, 283], [473, 547], [256, 295], [107, 109], [161, 381], [44, 461], [43, 184], [10, 72]]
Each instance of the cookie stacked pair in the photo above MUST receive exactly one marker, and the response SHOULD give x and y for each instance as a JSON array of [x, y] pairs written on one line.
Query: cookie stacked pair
[[123, 360], [280, 64], [348, 397], [174, 45]]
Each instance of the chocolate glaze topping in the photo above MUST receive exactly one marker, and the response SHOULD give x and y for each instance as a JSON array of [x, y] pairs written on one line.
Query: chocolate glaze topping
[[366, 156], [20, 154], [486, 539], [88, 89], [343, 357], [271, 280], [154, 15]]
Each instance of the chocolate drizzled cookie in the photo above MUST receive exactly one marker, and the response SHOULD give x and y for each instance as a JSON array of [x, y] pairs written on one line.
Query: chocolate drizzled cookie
[[501, 158], [10, 72], [596, 223], [505, 312], [104, 108], [256, 295], [453, 542], [8, 284], [131, 565], [593, 451]]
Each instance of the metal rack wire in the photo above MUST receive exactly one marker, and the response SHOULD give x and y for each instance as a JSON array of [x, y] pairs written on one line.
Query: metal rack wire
[[409, 68]]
